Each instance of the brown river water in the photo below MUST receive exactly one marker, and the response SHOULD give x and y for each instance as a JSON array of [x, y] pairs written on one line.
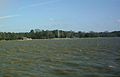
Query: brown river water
[[86, 57]]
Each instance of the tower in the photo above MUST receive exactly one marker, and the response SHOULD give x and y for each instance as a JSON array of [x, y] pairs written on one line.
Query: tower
[[58, 33]]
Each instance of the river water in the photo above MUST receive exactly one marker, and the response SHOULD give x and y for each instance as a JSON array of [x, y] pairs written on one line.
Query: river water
[[86, 57]]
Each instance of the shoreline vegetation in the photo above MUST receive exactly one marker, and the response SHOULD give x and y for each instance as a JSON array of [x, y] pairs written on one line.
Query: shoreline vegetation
[[55, 35]]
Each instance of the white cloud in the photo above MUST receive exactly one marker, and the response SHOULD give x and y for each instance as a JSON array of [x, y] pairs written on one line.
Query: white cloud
[[9, 16], [51, 19], [118, 20], [39, 4]]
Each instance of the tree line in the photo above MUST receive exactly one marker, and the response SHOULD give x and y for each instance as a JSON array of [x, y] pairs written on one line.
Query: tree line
[[49, 34]]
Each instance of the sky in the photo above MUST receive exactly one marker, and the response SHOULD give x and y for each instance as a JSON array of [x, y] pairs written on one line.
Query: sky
[[76, 15]]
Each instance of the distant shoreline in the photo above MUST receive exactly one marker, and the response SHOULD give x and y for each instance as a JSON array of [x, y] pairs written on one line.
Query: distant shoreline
[[61, 39]]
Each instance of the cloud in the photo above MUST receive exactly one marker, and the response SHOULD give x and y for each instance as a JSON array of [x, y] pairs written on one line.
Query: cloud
[[38, 4], [9, 16], [118, 20], [52, 19]]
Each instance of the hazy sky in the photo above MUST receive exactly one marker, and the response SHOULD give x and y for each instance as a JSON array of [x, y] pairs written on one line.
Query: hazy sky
[[76, 15]]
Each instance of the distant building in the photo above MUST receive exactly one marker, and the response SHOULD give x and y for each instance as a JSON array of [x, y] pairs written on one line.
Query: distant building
[[25, 38]]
